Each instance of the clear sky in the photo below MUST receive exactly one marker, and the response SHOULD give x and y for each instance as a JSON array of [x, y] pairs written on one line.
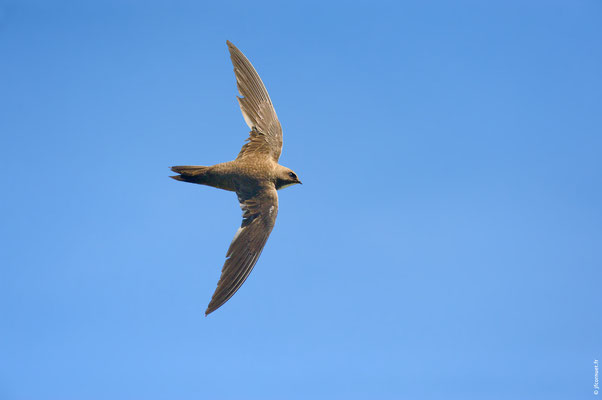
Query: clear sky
[[446, 242]]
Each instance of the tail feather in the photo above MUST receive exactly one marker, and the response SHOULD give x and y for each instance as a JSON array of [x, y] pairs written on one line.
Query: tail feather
[[189, 169], [189, 173]]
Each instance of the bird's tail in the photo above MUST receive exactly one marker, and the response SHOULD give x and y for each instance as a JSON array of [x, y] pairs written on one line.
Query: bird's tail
[[190, 173]]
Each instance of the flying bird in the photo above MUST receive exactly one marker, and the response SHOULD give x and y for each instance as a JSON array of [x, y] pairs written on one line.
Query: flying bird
[[254, 175]]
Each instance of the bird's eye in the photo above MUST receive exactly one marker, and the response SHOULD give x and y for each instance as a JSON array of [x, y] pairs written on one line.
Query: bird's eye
[[292, 175]]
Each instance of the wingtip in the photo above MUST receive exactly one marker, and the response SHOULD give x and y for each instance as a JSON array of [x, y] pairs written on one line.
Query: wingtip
[[212, 307]]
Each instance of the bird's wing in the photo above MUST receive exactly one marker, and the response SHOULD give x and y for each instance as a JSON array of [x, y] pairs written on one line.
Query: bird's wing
[[259, 216], [266, 133]]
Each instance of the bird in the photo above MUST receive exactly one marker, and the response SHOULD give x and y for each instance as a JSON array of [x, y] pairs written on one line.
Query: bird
[[254, 175]]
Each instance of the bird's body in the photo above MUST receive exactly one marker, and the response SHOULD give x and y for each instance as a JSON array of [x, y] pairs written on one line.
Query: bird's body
[[254, 175], [236, 175]]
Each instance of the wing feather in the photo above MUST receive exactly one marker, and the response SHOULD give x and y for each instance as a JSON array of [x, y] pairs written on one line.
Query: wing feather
[[259, 217], [256, 106]]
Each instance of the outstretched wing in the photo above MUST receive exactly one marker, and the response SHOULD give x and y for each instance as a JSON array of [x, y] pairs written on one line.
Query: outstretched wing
[[257, 109], [258, 219]]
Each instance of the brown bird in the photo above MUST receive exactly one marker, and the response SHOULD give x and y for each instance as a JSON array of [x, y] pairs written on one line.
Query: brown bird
[[254, 175]]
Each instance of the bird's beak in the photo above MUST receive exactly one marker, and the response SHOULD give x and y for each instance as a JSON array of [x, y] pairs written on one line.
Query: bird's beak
[[299, 182]]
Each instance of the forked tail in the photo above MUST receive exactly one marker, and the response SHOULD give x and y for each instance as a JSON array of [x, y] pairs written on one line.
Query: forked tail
[[190, 173]]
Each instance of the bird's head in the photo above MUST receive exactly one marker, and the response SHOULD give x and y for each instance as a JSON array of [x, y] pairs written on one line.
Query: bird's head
[[286, 178]]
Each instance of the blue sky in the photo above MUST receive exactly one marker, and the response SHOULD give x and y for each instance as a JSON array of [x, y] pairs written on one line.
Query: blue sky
[[446, 243]]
